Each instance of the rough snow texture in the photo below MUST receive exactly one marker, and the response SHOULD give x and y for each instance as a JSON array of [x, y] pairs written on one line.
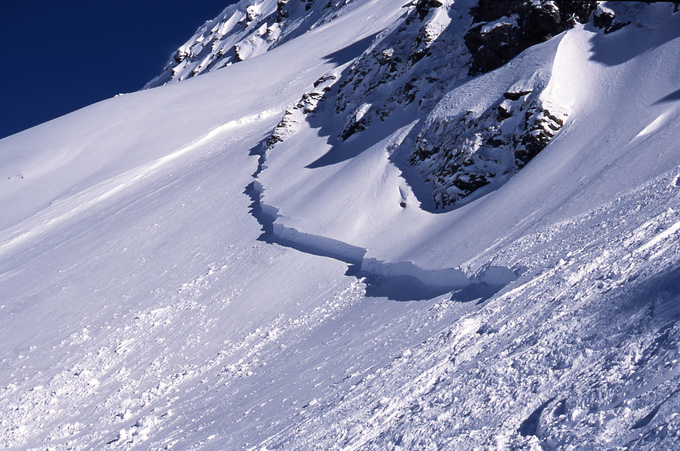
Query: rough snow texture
[[242, 261]]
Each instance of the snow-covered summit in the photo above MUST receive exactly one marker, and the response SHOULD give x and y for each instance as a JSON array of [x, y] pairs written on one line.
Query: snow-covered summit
[[394, 225]]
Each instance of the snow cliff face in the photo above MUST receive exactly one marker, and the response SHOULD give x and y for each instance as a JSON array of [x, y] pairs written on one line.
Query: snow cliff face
[[369, 233]]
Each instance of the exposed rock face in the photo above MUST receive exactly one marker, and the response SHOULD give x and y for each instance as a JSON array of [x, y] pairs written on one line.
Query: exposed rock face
[[414, 67], [605, 18], [540, 126], [305, 108], [281, 10], [423, 7], [244, 31], [465, 153], [504, 28]]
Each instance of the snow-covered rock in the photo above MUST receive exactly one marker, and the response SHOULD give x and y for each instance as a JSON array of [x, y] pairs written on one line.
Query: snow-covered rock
[[245, 30]]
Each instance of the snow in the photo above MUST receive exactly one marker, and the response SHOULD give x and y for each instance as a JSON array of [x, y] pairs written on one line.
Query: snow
[[167, 279], [503, 21], [574, 86]]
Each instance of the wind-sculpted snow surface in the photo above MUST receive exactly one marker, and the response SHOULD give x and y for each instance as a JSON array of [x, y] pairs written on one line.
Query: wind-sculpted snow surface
[[229, 262]]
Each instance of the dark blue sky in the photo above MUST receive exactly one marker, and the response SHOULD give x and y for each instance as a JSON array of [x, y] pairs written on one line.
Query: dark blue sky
[[59, 56]]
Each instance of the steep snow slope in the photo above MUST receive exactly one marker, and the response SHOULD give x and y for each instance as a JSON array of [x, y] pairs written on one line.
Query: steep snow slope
[[587, 74], [179, 271]]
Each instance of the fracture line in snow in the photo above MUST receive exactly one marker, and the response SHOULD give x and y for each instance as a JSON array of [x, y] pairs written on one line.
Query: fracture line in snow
[[105, 190], [403, 281]]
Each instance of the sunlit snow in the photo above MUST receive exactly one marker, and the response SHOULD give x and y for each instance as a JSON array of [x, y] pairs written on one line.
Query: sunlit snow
[[169, 279]]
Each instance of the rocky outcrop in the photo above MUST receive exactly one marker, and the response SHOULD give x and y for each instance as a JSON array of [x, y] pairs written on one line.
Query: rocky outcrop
[[465, 153], [605, 18], [612, 16], [504, 28], [423, 7], [412, 65], [305, 107], [540, 126]]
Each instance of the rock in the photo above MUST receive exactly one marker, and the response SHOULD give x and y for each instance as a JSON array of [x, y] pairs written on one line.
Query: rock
[[541, 127], [252, 13], [237, 55], [180, 56], [462, 154], [515, 95], [386, 56], [305, 107], [490, 48], [325, 80], [423, 7], [281, 12], [540, 22], [504, 110], [507, 27], [605, 18], [489, 10], [357, 122]]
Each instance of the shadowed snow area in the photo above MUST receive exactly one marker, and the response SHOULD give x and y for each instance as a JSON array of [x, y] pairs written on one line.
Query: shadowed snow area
[[214, 263]]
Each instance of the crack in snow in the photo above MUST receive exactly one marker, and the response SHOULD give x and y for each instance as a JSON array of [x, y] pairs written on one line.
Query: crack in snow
[[399, 281]]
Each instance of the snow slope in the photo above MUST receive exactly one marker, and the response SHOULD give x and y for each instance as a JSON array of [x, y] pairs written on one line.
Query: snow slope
[[171, 277]]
